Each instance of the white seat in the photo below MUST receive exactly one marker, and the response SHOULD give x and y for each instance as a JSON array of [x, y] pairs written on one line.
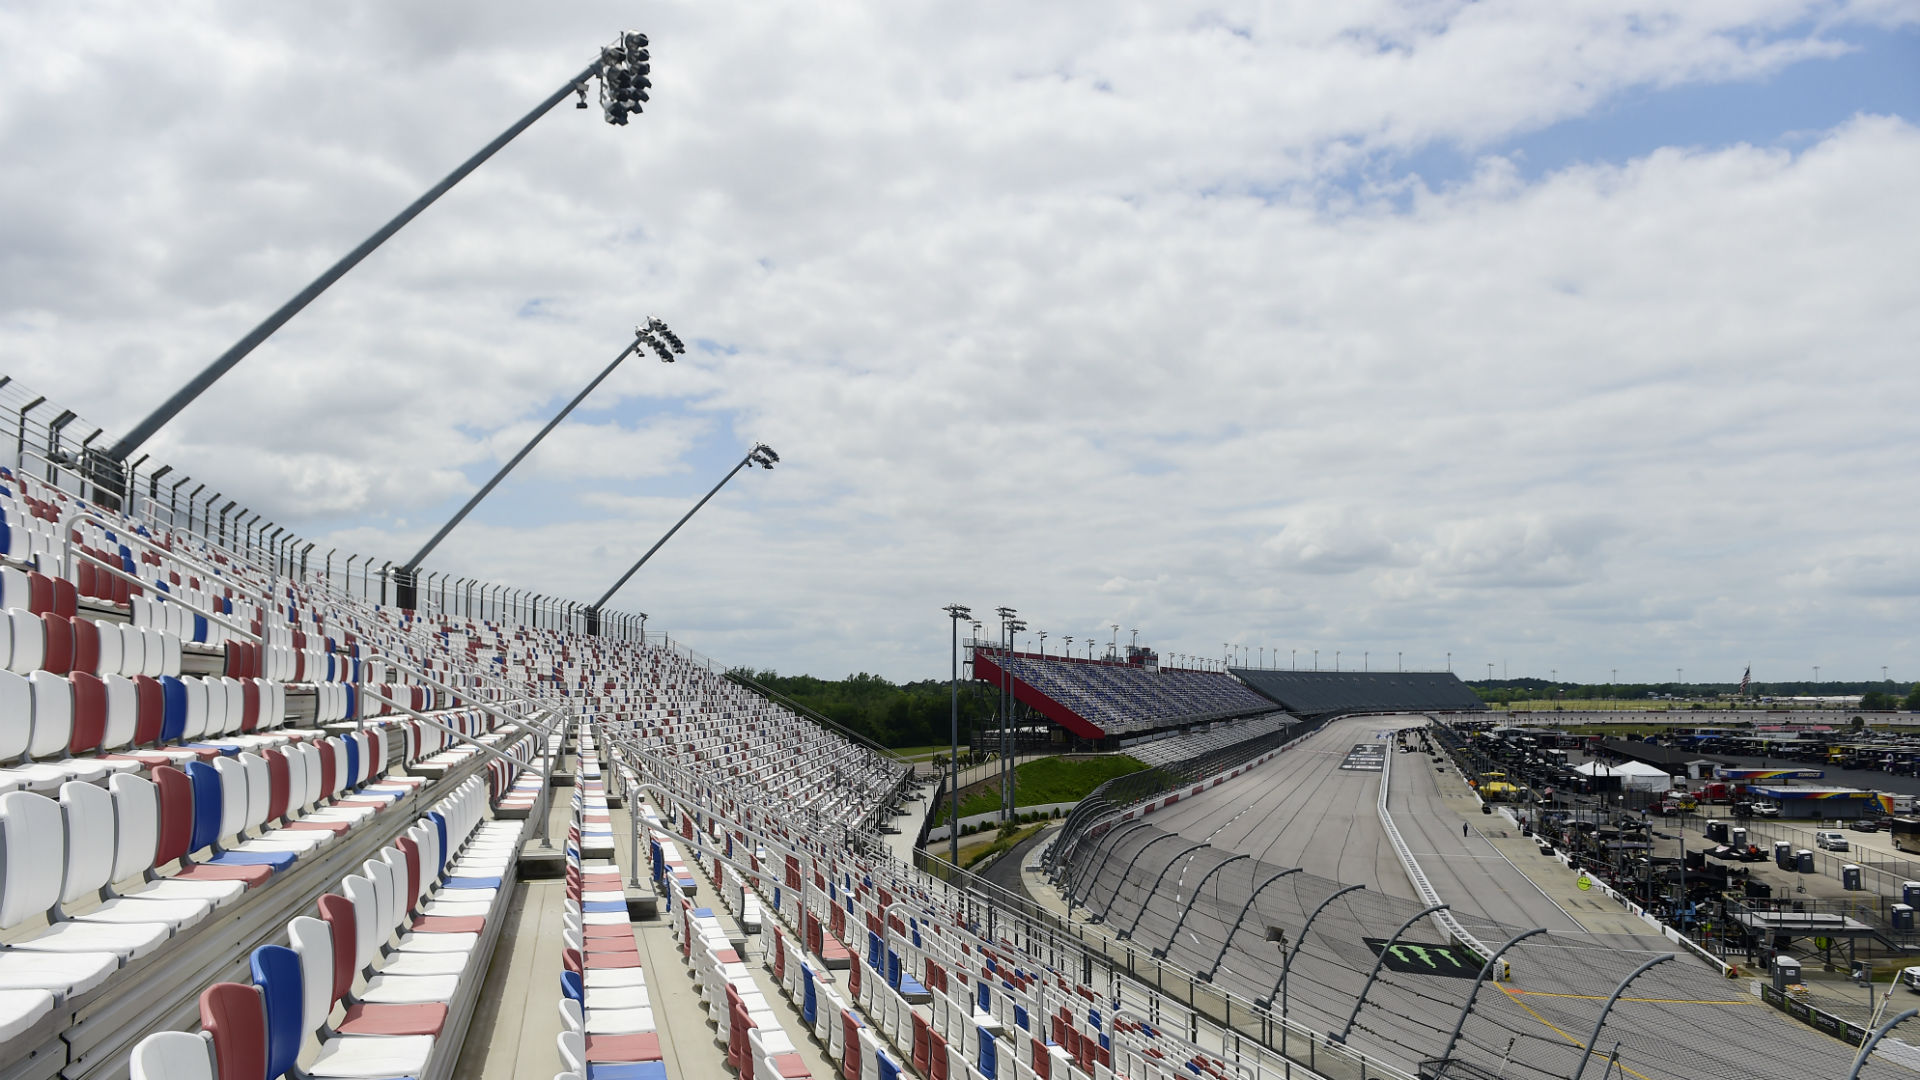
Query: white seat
[[35, 837], [92, 866], [172, 1055], [21, 1009], [617, 997], [447, 962], [619, 1021], [437, 943], [372, 1056], [410, 989]]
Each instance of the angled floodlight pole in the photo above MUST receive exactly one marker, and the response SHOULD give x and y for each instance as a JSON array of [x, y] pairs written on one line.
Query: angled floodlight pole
[[622, 68], [956, 614], [654, 335], [761, 454]]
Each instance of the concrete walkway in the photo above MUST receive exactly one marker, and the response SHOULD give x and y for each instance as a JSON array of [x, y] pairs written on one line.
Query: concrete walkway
[[517, 1023]]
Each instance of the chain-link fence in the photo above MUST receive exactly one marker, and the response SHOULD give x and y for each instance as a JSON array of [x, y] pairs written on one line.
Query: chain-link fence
[[1359, 963]]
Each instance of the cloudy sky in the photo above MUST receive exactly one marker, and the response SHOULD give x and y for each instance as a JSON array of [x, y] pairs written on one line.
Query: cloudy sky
[[1568, 337]]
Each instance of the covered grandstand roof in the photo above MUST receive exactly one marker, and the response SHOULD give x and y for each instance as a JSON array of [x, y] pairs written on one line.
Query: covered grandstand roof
[[1095, 698], [1322, 693]]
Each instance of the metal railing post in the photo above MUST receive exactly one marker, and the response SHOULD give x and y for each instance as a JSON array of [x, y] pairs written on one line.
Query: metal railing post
[[1227, 941], [1286, 964], [1866, 1048], [1113, 839], [1161, 953], [1122, 879], [1485, 971], [1608, 1007], [1379, 962], [1127, 934]]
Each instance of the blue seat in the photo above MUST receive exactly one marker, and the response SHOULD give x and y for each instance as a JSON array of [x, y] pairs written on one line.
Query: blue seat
[[471, 883], [207, 803], [276, 971], [604, 905], [627, 1070], [173, 709]]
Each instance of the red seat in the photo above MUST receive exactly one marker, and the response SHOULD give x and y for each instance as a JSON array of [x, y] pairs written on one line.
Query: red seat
[[66, 598], [791, 1065], [450, 924], [235, 1016], [423, 1019], [59, 655], [39, 593], [642, 1046], [89, 713], [175, 793], [613, 959], [86, 645]]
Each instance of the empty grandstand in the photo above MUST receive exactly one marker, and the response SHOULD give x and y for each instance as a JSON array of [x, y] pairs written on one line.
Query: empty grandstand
[[1095, 699], [1324, 693], [257, 825], [1194, 742]]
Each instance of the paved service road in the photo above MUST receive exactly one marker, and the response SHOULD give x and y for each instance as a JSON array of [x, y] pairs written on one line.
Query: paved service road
[[1466, 870], [1301, 809]]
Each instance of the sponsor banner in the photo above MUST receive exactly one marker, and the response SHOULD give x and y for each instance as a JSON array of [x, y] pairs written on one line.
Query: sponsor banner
[[1365, 757], [1824, 1022]]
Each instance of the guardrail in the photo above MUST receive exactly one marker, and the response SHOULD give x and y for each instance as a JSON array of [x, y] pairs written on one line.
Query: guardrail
[[1172, 996], [1122, 793], [1444, 919]]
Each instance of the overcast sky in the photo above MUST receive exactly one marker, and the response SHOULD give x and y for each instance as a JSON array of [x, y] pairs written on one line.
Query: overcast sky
[[1571, 337]]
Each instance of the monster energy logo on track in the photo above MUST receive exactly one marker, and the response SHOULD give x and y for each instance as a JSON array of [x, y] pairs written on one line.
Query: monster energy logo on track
[[1416, 958]]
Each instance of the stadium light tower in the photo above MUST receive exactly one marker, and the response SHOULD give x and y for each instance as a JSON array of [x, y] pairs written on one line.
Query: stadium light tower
[[654, 335], [1010, 625], [955, 614], [622, 68], [761, 455]]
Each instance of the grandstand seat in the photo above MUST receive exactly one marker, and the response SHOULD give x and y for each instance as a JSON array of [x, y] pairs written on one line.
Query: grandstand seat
[[31, 883], [94, 862]]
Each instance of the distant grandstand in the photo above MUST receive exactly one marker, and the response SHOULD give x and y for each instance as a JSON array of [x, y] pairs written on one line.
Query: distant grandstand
[[1095, 699], [1324, 693]]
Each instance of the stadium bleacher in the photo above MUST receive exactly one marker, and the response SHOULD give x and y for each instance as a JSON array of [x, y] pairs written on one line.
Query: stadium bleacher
[[1183, 745], [1097, 698], [1325, 693], [319, 808]]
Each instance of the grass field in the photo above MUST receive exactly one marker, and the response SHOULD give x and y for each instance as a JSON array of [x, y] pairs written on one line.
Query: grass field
[[1623, 705], [1619, 730], [1047, 780], [923, 753]]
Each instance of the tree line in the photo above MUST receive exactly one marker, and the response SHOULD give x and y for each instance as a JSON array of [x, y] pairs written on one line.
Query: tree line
[[891, 714], [1874, 695]]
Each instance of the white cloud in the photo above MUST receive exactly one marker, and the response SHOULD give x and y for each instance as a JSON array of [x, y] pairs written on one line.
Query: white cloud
[[1112, 313]]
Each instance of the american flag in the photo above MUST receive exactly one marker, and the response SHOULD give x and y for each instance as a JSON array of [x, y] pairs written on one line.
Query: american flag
[[1744, 679]]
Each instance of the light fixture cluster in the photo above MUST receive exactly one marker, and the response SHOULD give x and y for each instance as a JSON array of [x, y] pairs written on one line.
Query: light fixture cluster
[[664, 342], [624, 69], [762, 455]]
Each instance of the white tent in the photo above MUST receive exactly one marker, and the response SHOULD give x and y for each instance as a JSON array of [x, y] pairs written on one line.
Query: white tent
[[1632, 774]]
